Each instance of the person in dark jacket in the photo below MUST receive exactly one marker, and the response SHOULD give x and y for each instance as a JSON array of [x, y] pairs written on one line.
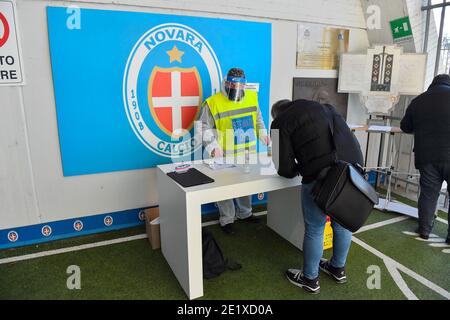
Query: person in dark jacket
[[305, 147], [428, 118]]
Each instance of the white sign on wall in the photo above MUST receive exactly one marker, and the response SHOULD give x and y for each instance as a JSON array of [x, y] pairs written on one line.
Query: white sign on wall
[[11, 71], [381, 75], [319, 47]]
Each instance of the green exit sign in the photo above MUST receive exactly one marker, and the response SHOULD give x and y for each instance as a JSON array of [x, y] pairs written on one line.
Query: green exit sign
[[401, 28]]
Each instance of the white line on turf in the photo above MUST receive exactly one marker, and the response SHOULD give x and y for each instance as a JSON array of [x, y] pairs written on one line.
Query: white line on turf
[[439, 245], [410, 233], [441, 220], [210, 223], [395, 274], [415, 234], [404, 269], [432, 240], [381, 224], [446, 251], [71, 249]]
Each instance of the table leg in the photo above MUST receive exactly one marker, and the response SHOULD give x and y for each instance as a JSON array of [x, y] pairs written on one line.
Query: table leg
[[285, 215], [181, 235]]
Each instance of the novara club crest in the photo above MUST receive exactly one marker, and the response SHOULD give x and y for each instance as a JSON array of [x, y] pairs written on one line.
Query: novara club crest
[[169, 72]]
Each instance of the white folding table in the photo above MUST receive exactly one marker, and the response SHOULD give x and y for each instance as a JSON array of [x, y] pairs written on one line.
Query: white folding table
[[180, 213]]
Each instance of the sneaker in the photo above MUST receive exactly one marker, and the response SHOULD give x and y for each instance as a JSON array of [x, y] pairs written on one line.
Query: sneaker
[[296, 277], [338, 274], [228, 229], [252, 219], [422, 235]]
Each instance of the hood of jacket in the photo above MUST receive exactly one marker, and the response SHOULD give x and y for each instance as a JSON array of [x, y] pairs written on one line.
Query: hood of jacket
[[440, 80]]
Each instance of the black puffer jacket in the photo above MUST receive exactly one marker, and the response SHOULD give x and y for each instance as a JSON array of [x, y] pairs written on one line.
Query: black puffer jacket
[[428, 117], [305, 142]]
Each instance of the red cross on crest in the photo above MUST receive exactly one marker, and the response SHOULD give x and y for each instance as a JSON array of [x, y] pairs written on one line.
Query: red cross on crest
[[174, 96]]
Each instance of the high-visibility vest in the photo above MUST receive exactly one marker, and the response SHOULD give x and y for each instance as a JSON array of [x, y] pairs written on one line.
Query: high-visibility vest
[[235, 122]]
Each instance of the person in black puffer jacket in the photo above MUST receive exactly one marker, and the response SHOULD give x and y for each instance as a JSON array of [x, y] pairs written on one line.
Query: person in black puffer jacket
[[306, 145], [303, 145], [428, 118]]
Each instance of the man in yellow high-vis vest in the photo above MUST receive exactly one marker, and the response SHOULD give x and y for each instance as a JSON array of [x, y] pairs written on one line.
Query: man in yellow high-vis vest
[[235, 115]]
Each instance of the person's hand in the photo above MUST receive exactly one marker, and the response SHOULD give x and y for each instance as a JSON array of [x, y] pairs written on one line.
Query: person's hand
[[217, 153]]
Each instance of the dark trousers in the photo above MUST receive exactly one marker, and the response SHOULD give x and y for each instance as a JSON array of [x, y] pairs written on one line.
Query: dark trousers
[[431, 178]]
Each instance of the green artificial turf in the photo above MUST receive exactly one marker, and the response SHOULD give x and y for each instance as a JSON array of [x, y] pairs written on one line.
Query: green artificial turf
[[417, 255], [265, 256], [131, 270]]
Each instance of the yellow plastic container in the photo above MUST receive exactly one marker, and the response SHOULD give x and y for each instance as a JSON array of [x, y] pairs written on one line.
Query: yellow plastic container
[[328, 235]]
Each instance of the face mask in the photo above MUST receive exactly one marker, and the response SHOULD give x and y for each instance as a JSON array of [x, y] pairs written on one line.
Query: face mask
[[235, 94], [233, 88]]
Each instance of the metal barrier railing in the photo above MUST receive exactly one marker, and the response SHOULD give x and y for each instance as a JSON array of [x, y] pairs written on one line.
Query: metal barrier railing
[[396, 157]]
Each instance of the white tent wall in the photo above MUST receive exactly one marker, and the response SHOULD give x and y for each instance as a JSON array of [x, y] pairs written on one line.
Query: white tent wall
[[32, 187]]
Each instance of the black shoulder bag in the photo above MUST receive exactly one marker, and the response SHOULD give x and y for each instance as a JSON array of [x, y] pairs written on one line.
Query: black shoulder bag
[[343, 193]]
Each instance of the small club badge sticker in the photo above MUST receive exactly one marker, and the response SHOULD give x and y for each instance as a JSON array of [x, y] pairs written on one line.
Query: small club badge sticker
[[13, 236], [328, 235], [78, 225], [108, 221], [46, 231]]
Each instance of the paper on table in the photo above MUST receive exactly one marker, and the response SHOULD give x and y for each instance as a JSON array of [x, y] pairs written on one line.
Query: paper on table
[[355, 126], [380, 128]]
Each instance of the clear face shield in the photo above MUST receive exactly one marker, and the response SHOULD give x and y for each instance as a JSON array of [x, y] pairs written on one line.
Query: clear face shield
[[233, 88]]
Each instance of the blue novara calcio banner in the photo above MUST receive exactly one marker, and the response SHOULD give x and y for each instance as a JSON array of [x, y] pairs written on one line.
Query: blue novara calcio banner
[[126, 82]]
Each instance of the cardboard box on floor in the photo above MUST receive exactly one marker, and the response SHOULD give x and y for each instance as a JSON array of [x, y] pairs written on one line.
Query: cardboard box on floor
[[152, 227]]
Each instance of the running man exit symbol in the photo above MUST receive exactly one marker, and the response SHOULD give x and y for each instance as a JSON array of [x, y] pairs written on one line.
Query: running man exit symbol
[[401, 28]]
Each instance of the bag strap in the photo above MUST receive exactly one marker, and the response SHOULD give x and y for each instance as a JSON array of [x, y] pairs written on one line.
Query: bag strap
[[323, 173], [331, 128]]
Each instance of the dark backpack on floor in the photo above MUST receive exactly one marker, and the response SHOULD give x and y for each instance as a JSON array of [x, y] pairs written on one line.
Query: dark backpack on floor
[[214, 263]]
